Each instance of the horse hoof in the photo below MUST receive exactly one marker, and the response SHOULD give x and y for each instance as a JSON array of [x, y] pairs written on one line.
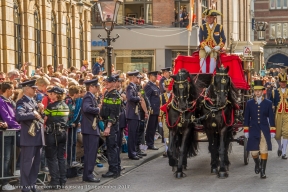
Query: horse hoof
[[223, 175], [214, 171]]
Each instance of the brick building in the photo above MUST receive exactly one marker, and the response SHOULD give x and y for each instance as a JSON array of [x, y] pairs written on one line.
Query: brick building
[[275, 13], [154, 43], [44, 32]]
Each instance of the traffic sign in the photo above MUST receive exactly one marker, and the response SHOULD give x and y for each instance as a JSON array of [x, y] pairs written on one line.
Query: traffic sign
[[247, 51]]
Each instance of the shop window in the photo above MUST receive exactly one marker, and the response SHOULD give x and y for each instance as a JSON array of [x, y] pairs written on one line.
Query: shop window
[[54, 41], [37, 26], [17, 35]]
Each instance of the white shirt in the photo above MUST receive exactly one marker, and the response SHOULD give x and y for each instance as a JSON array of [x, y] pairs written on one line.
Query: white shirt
[[283, 90], [259, 100], [211, 26]]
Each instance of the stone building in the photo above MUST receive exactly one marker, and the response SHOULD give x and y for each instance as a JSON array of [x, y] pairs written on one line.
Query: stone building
[[44, 32], [275, 13], [155, 42]]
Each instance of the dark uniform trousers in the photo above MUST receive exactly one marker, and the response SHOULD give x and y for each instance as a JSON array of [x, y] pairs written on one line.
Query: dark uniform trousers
[[133, 126], [90, 143], [141, 130], [112, 149], [29, 168], [119, 141], [151, 129], [54, 151]]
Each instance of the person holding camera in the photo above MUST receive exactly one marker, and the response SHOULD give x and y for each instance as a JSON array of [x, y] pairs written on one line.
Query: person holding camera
[[56, 119]]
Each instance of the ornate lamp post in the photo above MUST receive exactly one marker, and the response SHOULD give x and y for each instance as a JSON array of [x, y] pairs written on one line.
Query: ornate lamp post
[[261, 26], [108, 10]]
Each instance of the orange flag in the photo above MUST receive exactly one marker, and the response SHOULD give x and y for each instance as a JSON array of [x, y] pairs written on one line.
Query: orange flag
[[189, 27]]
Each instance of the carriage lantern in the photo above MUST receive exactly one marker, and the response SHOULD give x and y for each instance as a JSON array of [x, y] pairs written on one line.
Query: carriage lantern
[[261, 26], [108, 11]]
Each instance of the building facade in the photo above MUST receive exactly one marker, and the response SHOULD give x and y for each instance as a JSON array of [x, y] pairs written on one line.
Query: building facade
[[152, 33], [44, 32], [275, 13]]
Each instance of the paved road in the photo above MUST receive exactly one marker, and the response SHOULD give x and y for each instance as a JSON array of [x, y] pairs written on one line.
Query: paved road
[[156, 175]]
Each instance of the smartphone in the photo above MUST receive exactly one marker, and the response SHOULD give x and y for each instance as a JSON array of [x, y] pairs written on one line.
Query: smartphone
[[33, 73]]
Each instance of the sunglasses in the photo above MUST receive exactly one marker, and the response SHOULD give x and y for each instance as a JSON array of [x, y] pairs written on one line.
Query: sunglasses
[[2, 79]]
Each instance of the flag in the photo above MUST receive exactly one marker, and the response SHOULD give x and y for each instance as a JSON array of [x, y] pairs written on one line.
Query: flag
[[191, 15]]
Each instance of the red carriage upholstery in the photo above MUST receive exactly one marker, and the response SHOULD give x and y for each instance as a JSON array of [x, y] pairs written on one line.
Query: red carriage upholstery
[[192, 64]]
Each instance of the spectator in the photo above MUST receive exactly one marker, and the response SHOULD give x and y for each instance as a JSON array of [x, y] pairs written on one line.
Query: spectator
[[184, 18], [2, 77], [50, 69], [64, 81], [84, 66], [97, 67], [7, 113]]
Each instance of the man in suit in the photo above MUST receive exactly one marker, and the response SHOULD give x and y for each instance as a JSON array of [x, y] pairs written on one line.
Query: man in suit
[[90, 132], [152, 92], [29, 114], [259, 127], [212, 39], [166, 75], [132, 113], [279, 100]]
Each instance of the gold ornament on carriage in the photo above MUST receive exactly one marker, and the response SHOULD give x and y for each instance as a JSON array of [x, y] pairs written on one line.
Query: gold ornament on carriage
[[214, 124], [179, 124], [181, 86], [223, 81]]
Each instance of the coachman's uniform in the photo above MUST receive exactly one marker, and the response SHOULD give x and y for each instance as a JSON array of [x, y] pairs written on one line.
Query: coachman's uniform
[[90, 132], [30, 145], [259, 123], [279, 99], [55, 137], [210, 35], [152, 92], [161, 82], [110, 113]]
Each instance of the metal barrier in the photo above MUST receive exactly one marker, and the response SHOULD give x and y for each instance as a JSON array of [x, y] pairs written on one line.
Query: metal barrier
[[8, 133]]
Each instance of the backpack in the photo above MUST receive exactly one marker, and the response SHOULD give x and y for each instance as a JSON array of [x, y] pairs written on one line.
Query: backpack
[[95, 69]]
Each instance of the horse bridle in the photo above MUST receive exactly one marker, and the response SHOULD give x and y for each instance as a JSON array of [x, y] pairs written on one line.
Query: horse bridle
[[222, 85]]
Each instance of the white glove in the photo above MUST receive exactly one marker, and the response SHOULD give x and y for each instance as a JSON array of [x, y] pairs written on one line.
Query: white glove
[[217, 48], [246, 135], [160, 124], [272, 135], [207, 49]]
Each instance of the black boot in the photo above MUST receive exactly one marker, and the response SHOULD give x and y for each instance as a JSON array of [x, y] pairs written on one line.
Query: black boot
[[257, 169], [263, 167]]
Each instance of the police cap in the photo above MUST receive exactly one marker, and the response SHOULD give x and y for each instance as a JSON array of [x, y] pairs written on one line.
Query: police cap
[[133, 73], [155, 73], [117, 77], [110, 79], [56, 89], [30, 83], [92, 82], [166, 69]]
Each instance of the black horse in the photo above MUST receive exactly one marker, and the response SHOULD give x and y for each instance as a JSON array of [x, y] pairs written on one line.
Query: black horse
[[217, 106], [182, 137]]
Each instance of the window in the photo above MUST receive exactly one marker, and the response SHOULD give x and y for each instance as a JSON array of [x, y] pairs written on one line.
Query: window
[[18, 35], [272, 4], [279, 30], [285, 30], [278, 4], [261, 35], [179, 6], [54, 41], [37, 26], [285, 2], [81, 42], [68, 41], [272, 31]]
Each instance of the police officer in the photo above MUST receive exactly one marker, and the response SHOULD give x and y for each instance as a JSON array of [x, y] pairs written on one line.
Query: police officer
[[166, 75], [132, 115], [152, 92], [30, 116], [122, 117], [89, 130], [144, 108], [212, 39], [110, 114], [56, 119], [259, 127]]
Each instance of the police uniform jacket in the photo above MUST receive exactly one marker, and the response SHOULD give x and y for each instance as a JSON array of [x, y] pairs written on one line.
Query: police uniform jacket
[[89, 111], [153, 92], [57, 113], [111, 106], [212, 37], [161, 85], [25, 116], [256, 120], [132, 101]]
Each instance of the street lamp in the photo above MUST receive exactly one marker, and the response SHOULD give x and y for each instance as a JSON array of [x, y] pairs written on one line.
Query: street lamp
[[261, 26], [108, 10], [80, 6]]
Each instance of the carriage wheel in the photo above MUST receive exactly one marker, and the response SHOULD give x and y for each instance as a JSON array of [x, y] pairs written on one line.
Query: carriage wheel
[[246, 153]]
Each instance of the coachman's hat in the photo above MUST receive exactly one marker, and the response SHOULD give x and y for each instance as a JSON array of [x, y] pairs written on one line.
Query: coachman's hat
[[211, 12], [258, 85], [282, 77]]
